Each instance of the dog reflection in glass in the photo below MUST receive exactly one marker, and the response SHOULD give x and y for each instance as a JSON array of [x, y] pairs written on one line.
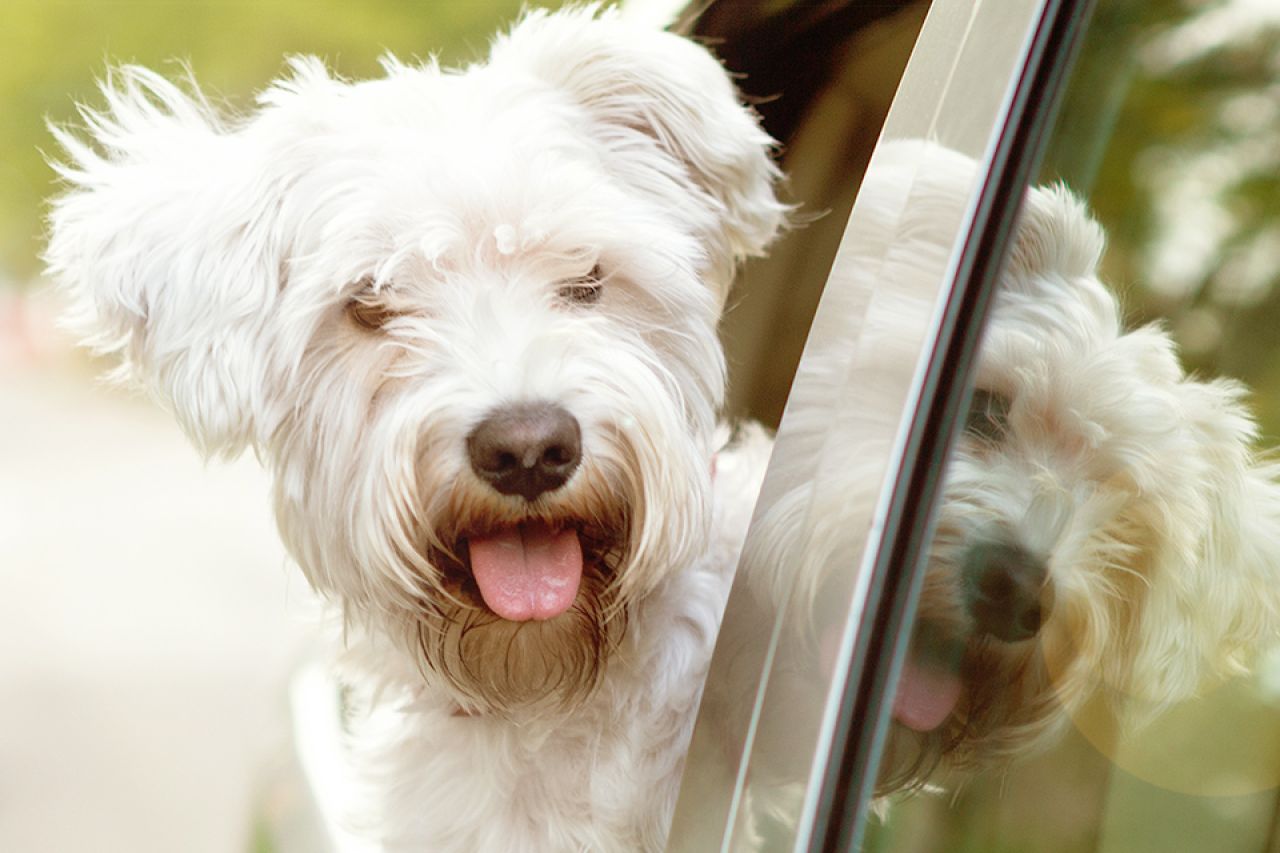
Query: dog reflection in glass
[[1105, 528]]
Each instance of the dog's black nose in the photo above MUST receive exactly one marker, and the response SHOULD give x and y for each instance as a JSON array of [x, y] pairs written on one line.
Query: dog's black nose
[[526, 449], [1009, 591]]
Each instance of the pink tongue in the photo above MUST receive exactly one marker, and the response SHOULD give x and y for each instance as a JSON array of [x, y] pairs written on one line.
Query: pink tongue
[[926, 696], [528, 571]]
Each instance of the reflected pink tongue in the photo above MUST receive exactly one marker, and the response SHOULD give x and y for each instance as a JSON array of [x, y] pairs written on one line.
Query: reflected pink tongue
[[926, 696], [528, 571]]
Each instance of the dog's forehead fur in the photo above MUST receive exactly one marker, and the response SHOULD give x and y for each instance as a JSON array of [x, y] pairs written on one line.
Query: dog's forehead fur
[[452, 185]]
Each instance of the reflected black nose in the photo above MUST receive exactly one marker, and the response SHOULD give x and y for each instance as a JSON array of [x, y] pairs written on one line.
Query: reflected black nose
[[526, 449], [1009, 592]]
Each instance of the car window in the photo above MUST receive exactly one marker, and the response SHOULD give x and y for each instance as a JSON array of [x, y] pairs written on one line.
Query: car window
[[821, 79], [1093, 664], [774, 710]]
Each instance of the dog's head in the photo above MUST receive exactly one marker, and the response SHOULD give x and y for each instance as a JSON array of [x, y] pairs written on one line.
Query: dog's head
[[1103, 526], [468, 318]]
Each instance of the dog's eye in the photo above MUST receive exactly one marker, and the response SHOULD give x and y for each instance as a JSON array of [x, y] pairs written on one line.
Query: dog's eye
[[583, 290], [988, 416], [367, 308], [368, 314]]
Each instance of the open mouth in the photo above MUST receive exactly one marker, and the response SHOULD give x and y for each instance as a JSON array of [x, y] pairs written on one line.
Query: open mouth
[[1008, 595], [931, 685], [528, 571], [531, 570], [927, 694]]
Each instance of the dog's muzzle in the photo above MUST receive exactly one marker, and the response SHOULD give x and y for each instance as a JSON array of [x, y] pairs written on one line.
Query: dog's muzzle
[[529, 570], [1007, 594]]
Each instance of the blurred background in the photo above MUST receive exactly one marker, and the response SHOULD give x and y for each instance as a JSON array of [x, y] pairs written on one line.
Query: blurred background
[[1171, 129]]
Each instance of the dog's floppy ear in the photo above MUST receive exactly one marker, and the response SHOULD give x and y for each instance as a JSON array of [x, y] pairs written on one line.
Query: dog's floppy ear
[[644, 87], [1212, 602], [165, 244], [1052, 269]]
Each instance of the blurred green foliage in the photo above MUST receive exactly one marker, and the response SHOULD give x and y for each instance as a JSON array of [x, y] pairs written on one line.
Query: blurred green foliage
[[53, 50], [1172, 131]]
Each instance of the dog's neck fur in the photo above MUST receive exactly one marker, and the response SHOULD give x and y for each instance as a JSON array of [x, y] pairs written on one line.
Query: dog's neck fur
[[407, 736]]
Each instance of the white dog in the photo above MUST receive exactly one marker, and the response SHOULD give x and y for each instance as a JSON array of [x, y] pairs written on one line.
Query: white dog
[[468, 319]]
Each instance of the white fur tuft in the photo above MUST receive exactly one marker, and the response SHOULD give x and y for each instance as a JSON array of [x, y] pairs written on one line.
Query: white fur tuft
[[167, 244]]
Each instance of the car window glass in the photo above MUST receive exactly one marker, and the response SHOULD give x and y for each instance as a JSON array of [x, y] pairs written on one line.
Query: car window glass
[[765, 715], [1096, 660]]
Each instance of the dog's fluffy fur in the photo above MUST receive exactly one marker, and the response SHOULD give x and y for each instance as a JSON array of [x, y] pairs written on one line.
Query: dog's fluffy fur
[[354, 276]]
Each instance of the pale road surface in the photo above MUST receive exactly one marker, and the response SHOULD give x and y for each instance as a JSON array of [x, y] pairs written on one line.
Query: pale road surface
[[148, 623]]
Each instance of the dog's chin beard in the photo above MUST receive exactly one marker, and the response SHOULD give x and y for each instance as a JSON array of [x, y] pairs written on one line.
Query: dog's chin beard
[[517, 669]]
